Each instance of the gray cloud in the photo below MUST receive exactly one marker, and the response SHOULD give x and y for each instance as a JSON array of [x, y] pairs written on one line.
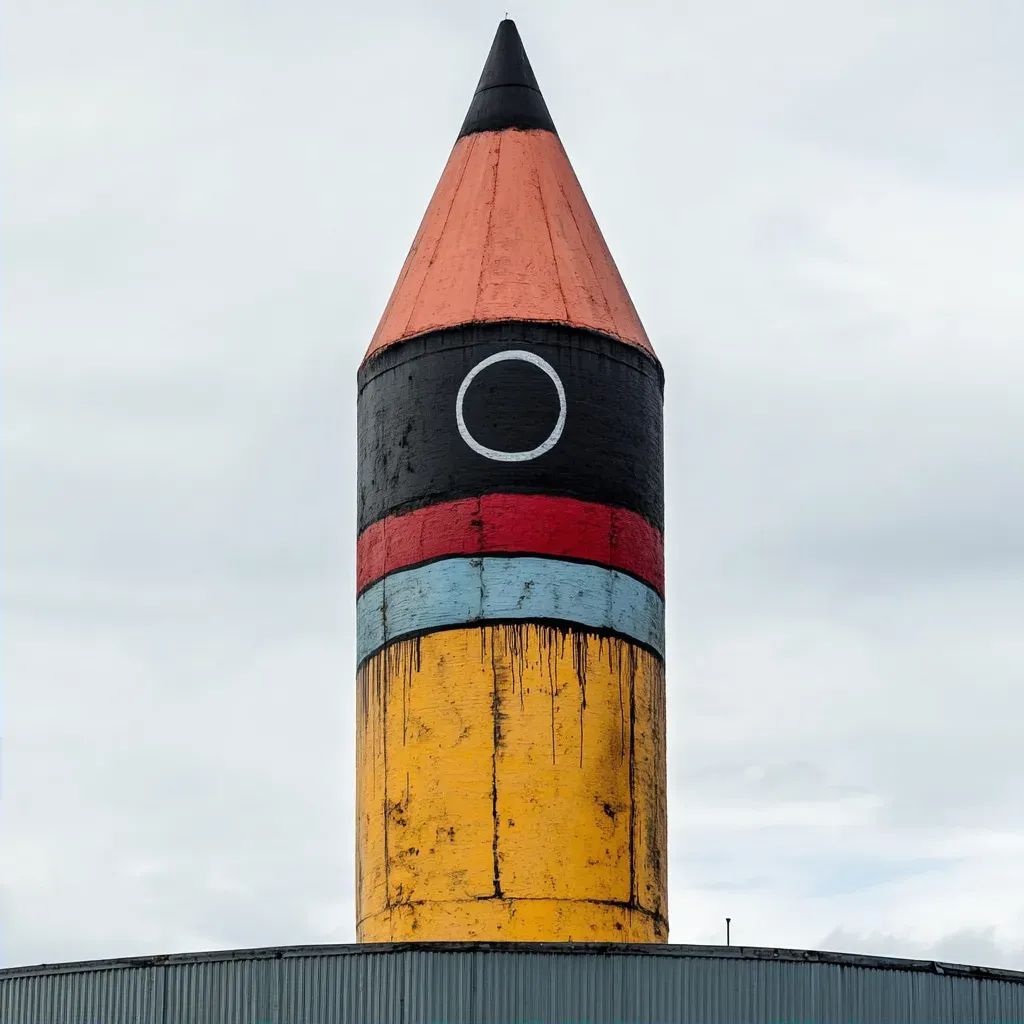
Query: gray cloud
[[967, 946]]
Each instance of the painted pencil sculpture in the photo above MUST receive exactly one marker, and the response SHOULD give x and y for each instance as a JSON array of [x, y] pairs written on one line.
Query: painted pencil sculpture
[[511, 685]]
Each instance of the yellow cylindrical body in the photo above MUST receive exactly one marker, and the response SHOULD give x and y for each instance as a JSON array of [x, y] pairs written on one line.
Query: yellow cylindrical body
[[511, 786]]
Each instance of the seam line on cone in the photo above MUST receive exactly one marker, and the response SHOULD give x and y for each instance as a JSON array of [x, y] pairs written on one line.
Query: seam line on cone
[[490, 219], [440, 237]]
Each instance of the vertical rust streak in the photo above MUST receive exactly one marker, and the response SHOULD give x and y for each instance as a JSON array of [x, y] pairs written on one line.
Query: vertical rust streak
[[622, 716], [580, 643], [360, 741], [631, 661], [383, 689], [496, 719], [552, 690], [540, 660], [405, 666], [513, 651]]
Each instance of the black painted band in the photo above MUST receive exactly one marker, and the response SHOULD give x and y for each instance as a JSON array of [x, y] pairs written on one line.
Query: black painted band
[[413, 451]]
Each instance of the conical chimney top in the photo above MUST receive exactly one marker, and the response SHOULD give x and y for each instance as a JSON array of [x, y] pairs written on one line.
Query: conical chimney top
[[508, 234], [507, 95]]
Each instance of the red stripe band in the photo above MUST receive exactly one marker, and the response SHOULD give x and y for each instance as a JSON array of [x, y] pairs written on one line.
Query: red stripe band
[[533, 524]]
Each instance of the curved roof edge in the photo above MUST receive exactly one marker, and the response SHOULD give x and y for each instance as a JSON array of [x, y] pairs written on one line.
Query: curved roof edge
[[606, 949]]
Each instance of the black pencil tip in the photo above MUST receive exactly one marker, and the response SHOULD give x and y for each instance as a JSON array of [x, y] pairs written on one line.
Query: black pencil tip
[[507, 95]]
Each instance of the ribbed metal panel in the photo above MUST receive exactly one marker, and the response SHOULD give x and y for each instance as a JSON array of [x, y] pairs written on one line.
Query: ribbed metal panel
[[102, 995], [509, 984]]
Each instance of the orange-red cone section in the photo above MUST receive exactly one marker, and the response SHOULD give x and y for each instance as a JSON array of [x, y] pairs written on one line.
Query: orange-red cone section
[[509, 235]]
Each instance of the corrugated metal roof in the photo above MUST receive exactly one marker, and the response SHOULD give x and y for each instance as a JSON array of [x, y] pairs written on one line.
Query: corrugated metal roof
[[513, 983]]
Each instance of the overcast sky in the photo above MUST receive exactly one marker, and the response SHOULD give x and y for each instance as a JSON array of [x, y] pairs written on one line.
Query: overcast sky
[[819, 211]]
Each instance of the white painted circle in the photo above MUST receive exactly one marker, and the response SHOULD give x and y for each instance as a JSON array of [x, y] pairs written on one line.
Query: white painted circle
[[493, 453]]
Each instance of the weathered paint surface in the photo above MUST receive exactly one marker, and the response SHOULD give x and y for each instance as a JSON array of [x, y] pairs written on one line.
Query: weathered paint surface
[[412, 454], [456, 591], [511, 785], [509, 235], [538, 524], [510, 637]]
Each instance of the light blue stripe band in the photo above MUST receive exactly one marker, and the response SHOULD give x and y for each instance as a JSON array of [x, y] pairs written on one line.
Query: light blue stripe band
[[461, 591]]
